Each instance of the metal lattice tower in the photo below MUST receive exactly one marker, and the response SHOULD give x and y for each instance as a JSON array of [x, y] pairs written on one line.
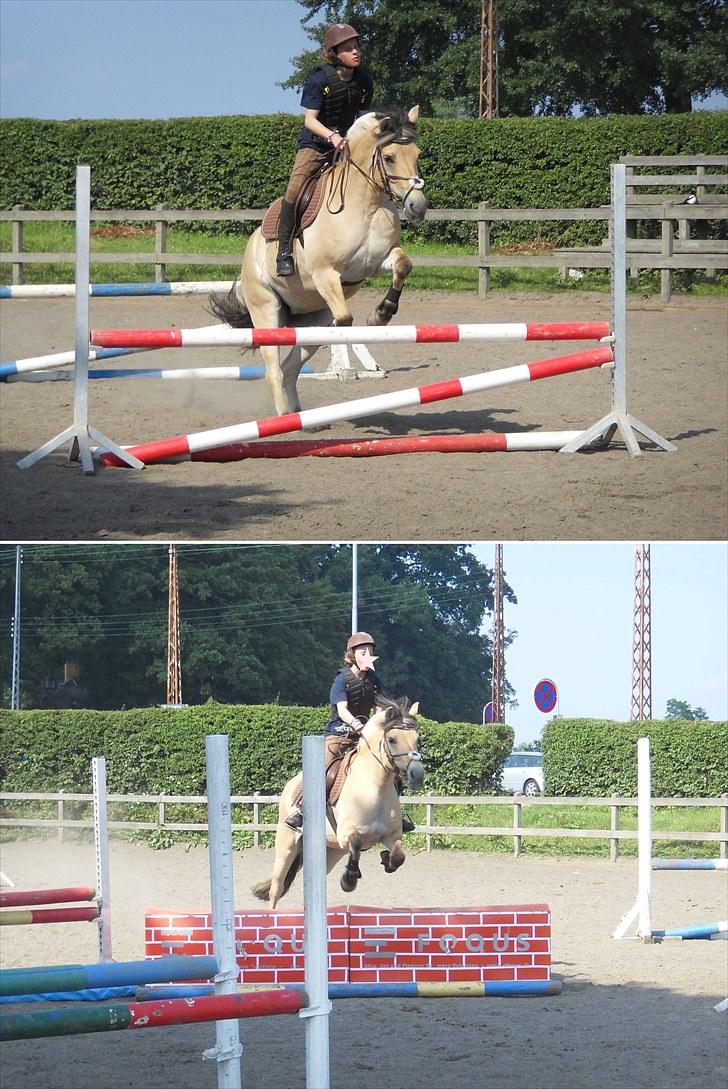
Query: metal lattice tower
[[174, 648], [488, 94], [498, 686], [642, 638]]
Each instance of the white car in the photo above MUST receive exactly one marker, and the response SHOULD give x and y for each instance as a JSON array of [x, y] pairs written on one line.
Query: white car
[[523, 773]]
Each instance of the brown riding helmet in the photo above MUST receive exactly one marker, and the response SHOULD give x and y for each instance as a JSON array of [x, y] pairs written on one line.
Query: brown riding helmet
[[338, 33], [360, 639]]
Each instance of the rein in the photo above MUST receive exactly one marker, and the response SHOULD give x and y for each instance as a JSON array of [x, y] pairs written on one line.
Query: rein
[[377, 164]]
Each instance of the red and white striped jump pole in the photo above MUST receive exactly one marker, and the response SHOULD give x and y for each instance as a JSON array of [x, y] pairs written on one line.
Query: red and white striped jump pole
[[487, 443], [180, 445], [219, 335]]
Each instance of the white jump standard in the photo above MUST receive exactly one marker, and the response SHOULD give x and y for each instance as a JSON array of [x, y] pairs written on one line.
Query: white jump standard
[[641, 910]]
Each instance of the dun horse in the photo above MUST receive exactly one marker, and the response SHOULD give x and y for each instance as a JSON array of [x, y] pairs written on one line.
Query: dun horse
[[367, 810], [355, 235]]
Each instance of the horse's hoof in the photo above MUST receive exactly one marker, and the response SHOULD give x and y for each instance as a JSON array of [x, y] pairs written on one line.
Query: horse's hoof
[[384, 857], [348, 882]]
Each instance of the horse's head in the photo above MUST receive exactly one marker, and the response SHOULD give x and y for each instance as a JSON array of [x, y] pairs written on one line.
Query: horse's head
[[396, 721], [396, 156]]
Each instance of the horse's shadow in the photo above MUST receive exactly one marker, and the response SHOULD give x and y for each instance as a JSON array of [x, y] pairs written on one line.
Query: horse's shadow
[[387, 424]]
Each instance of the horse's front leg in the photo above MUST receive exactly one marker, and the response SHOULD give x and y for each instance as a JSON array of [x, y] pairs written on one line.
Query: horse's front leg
[[352, 873], [398, 263], [393, 857], [328, 284]]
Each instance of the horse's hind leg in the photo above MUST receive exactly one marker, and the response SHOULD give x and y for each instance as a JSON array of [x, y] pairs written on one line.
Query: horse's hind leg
[[398, 263], [288, 845]]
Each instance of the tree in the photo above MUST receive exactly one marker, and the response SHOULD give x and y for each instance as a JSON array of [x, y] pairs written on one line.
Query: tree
[[556, 56], [259, 623], [682, 710]]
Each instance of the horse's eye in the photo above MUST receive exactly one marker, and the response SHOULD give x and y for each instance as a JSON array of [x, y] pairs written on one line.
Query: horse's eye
[[389, 159]]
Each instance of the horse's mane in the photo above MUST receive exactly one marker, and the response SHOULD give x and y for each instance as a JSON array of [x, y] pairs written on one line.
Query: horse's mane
[[400, 706], [396, 127]]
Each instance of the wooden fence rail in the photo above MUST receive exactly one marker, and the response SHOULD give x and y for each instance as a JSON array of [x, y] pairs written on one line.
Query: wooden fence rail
[[429, 828]]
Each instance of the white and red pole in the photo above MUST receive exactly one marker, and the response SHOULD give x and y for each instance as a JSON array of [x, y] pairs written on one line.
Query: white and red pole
[[219, 335], [181, 445]]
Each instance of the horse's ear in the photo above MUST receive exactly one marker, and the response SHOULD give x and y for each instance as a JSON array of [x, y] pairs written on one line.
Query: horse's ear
[[414, 114], [415, 709], [386, 126]]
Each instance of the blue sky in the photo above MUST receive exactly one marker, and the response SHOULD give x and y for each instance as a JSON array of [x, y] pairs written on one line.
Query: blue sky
[[90, 59], [574, 624]]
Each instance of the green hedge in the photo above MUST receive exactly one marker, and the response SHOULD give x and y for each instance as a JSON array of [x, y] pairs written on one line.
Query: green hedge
[[592, 757], [154, 749], [244, 162]]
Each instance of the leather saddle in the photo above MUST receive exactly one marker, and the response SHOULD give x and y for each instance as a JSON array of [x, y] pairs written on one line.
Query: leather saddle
[[308, 206]]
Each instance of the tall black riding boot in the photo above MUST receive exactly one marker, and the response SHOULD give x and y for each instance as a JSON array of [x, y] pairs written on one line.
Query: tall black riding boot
[[284, 261]]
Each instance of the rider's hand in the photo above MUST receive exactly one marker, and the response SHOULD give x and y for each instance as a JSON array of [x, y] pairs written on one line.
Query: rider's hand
[[336, 139]]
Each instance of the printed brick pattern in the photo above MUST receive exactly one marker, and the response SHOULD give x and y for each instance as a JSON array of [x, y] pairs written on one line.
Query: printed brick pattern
[[434, 945], [375, 945]]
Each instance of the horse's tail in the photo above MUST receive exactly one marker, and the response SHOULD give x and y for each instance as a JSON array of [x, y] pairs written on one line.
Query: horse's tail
[[228, 308], [262, 890]]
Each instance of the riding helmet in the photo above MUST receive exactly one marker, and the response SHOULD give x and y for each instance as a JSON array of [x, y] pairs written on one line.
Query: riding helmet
[[338, 33], [360, 639]]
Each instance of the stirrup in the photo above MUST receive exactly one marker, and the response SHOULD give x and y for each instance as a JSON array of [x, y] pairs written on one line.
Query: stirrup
[[295, 820], [407, 825]]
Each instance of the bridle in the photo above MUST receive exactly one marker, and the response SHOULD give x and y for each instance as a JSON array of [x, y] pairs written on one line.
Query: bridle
[[391, 759], [376, 166]]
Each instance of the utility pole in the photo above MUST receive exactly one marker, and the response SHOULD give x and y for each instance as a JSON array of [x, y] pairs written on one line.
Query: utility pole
[[488, 93], [498, 687], [642, 638], [174, 649], [354, 587], [15, 635]]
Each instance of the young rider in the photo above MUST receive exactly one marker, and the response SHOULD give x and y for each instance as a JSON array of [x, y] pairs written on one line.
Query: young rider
[[333, 97], [353, 701]]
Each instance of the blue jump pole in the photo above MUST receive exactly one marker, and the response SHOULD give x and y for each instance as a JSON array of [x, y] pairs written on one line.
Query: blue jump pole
[[709, 931], [497, 989], [690, 863], [77, 977]]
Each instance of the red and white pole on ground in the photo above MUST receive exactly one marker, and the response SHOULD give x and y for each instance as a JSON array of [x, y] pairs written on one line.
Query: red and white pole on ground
[[181, 445], [218, 335], [488, 443]]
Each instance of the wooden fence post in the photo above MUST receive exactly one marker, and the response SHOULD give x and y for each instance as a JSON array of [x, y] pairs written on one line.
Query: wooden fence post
[[483, 252], [16, 246], [160, 246]]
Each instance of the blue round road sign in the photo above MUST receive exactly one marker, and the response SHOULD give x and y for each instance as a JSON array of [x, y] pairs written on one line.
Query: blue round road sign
[[545, 696]]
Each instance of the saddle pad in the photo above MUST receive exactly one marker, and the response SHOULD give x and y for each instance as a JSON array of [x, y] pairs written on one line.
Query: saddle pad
[[269, 226], [336, 772]]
